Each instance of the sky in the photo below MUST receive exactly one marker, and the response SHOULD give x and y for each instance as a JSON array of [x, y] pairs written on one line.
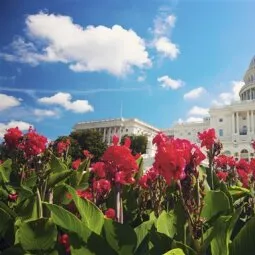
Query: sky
[[161, 61]]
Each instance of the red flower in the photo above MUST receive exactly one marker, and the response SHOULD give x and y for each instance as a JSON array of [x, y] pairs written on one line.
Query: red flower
[[33, 144], [76, 164], [120, 164], [207, 138], [222, 175], [99, 169], [102, 186], [12, 137], [86, 194], [63, 146], [13, 197], [110, 213], [64, 240], [87, 154], [115, 140], [148, 178]]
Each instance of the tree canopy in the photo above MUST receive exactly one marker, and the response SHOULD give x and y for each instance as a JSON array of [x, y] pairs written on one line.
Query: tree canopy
[[138, 143]]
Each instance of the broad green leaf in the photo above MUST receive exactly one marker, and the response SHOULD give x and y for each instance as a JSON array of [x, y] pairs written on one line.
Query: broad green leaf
[[224, 189], [159, 243], [84, 166], [82, 179], [31, 181], [166, 223], [221, 234], [5, 170], [56, 165], [244, 242], [238, 192], [176, 251], [7, 209], [140, 171], [142, 231], [187, 249], [55, 178], [121, 237], [37, 235], [6, 219], [91, 215], [68, 221], [181, 222], [215, 202]]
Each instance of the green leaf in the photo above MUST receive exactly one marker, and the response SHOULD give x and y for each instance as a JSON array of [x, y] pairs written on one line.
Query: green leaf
[[187, 249], [37, 235], [5, 171], [224, 189], [55, 178], [166, 223], [7, 209], [91, 215], [238, 192], [216, 202], [244, 242], [176, 251], [121, 237], [56, 165], [31, 181], [142, 232], [84, 166], [140, 171], [5, 221], [68, 221], [221, 233]]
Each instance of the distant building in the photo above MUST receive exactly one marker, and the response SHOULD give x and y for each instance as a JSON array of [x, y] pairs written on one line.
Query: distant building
[[234, 123], [121, 127]]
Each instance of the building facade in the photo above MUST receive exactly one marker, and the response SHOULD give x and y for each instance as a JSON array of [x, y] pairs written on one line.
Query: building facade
[[234, 123], [121, 127]]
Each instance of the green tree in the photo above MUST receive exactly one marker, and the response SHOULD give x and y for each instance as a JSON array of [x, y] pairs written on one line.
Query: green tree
[[138, 143], [90, 140]]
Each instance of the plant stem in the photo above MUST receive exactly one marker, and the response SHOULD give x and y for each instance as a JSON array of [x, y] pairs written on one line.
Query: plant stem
[[119, 211], [40, 209]]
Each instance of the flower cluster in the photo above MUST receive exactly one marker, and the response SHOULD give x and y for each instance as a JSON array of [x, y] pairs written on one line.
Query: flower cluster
[[12, 137], [148, 178], [173, 155], [110, 213], [64, 240], [62, 146], [76, 163], [207, 138]]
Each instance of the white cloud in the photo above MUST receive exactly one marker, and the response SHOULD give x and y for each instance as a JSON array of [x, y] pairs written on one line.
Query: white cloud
[[198, 111], [194, 119], [85, 49], [8, 102], [44, 113], [167, 82], [64, 100], [23, 126], [166, 47], [163, 25], [141, 78], [194, 93], [226, 98]]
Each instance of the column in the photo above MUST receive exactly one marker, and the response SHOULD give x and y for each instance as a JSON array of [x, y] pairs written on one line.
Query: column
[[109, 135], [104, 134], [252, 122], [233, 123], [248, 122], [237, 123]]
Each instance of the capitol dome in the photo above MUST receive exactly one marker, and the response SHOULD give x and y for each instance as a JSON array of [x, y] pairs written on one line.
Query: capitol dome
[[247, 92]]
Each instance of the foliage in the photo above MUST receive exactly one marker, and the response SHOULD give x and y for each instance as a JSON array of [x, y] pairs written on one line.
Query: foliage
[[90, 140], [53, 202], [138, 143]]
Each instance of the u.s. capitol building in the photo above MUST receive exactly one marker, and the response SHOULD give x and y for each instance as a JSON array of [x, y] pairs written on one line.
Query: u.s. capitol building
[[234, 124]]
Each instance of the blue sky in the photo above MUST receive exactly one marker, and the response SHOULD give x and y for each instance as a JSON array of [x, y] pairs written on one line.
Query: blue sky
[[66, 61]]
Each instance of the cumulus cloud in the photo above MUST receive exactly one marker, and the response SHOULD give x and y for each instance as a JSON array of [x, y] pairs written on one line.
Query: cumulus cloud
[[163, 25], [194, 119], [194, 93], [23, 126], [7, 102], [226, 98], [65, 100], [56, 38], [167, 82], [198, 111], [44, 113]]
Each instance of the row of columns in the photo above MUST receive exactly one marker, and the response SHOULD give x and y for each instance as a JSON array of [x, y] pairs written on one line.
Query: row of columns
[[248, 95], [249, 119]]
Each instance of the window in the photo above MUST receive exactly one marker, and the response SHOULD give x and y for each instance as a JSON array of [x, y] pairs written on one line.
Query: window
[[126, 129], [220, 132], [220, 120], [189, 133]]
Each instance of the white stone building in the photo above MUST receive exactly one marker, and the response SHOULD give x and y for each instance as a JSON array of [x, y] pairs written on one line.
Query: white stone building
[[121, 127], [234, 123]]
